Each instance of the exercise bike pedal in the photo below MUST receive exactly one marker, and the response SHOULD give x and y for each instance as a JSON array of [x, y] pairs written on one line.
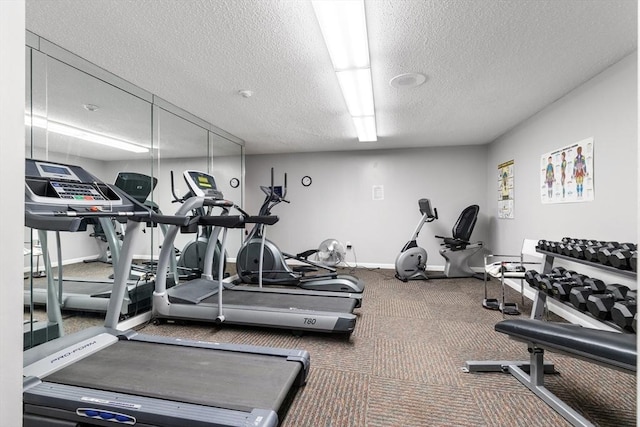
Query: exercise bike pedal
[[491, 304], [510, 308]]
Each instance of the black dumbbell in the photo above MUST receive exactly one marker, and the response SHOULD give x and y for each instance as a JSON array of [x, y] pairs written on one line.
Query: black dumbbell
[[578, 249], [561, 289], [623, 312], [540, 244], [580, 278], [620, 258], [635, 323], [552, 246], [579, 295], [591, 251], [634, 261], [604, 251], [529, 277], [546, 281], [600, 305], [543, 281], [564, 248]]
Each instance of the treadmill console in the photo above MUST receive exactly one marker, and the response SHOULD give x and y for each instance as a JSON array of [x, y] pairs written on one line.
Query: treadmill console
[[49, 183], [202, 184]]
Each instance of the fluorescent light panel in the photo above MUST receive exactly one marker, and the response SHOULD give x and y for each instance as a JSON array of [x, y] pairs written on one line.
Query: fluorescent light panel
[[344, 29], [85, 135], [357, 91], [365, 128]]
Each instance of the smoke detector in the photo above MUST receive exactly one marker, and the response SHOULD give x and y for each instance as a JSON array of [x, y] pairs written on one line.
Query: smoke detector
[[407, 80], [245, 93]]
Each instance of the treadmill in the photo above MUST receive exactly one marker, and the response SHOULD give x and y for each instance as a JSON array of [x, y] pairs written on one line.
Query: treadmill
[[93, 295], [102, 376], [209, 300]]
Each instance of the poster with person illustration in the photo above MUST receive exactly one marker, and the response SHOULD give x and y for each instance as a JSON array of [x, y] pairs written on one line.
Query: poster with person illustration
[[566, 174], [505, 190]]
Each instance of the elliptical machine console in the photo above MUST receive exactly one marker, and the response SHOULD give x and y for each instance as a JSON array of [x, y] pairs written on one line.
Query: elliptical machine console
[[192, 258], [202, 185]]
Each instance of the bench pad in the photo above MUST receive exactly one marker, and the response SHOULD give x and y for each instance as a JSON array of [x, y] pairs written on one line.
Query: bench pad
[[605, 347]]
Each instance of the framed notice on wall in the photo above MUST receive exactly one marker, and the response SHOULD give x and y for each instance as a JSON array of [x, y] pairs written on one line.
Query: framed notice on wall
[[505, 190], [566, 174]]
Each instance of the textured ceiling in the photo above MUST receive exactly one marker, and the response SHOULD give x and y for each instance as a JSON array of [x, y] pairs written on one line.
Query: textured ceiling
[[489, 64]]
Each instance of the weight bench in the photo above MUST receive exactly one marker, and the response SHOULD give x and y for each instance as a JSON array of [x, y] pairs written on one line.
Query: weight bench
[[610, 349]]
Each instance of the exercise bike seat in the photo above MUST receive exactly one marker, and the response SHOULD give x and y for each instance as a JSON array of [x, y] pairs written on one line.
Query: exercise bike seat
[[462, 229]]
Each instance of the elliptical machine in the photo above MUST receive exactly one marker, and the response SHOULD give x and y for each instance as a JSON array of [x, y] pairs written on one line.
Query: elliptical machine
[[411, 262], [274, 269], [457, 249]]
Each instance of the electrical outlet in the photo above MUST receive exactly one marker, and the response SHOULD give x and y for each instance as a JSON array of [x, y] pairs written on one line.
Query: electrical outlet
[[349, 246]]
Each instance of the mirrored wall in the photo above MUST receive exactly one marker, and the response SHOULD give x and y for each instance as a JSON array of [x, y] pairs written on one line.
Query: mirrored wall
[[79, 114]]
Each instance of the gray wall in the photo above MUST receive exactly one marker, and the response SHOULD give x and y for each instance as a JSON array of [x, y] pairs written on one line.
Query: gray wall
[[339, 203], [604, 108]]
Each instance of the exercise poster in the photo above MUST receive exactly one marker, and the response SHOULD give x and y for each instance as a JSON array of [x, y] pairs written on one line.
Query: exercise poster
[[566, 174], [505, 190]]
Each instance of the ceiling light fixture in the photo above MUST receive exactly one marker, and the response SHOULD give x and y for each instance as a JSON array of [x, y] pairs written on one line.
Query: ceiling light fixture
[[344, 30], [75, 132]]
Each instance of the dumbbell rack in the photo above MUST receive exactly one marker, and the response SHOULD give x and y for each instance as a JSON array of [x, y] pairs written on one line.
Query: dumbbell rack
[[539, 303]]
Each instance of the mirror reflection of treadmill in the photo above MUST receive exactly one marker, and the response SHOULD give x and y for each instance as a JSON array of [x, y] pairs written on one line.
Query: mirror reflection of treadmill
[[92, 295], [101, 375]]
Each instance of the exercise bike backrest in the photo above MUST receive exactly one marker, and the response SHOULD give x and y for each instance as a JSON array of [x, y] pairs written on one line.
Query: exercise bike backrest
[[462, 229]]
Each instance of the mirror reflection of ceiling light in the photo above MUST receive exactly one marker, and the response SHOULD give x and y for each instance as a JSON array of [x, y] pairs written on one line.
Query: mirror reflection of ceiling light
[[344, 29], [85, 135]]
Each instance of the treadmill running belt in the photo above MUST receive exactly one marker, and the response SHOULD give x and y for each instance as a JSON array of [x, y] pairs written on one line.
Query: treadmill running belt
[[284, 301], [222, 379], [77, 287]]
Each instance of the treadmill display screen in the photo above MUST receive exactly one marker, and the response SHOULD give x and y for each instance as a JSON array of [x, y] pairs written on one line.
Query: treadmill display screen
[[55, 171], [59, 170]]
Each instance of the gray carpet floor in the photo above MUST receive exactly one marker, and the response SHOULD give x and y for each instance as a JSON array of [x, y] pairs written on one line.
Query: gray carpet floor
[[402, 365]]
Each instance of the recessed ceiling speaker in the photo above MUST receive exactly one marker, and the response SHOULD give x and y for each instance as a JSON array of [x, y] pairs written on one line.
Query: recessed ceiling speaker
[[407, 80]]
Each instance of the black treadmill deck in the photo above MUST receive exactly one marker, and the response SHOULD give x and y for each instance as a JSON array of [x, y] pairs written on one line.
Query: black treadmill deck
[[225, 379], [206, 291]]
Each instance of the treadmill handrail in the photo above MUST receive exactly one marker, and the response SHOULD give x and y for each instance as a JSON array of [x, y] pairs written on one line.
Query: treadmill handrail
[[227, 221], [262, 219]]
